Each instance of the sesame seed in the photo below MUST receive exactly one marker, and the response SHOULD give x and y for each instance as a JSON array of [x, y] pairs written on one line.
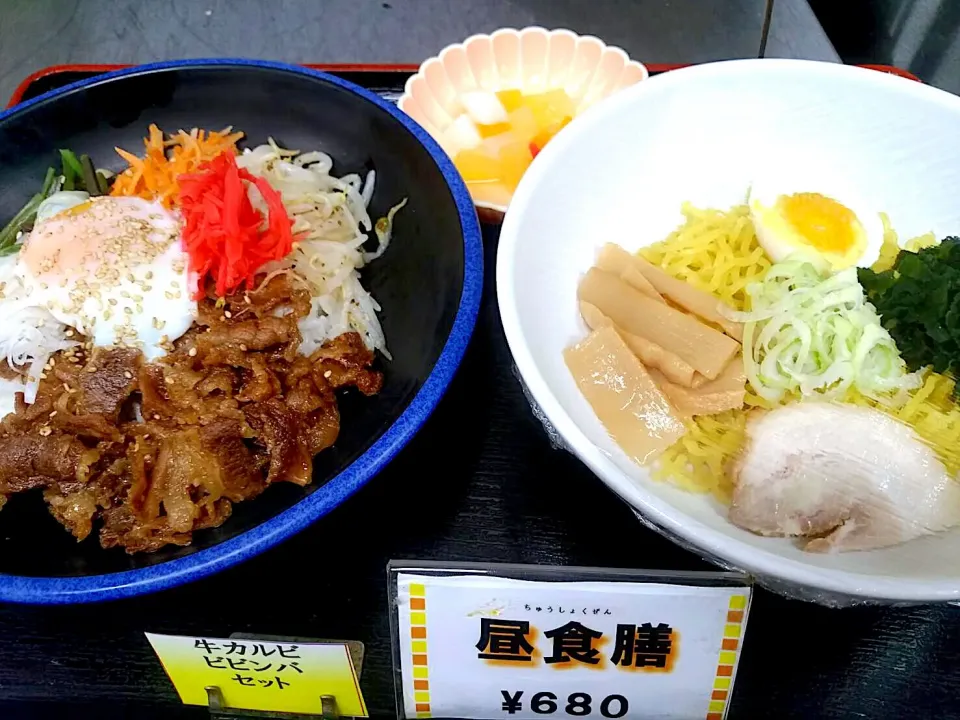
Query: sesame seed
[[328, 373], [66, 387], [128, 375], [112, 301], [53, 414], [192, 352], [69, 332], [91, 369], [128, 311], [243, 347], [156, 416], [227, 314]]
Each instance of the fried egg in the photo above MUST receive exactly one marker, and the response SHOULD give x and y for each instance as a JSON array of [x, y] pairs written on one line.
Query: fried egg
[[836, 227], [114, 270]]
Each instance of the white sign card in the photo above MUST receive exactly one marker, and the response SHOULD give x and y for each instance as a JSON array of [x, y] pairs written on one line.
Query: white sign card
[[480, 646]]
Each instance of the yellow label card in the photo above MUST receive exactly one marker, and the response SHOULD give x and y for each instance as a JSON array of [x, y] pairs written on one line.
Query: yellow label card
[[260, 674]]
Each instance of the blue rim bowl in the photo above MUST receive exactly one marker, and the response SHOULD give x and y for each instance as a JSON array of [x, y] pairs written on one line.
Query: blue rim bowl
[[429, 283]]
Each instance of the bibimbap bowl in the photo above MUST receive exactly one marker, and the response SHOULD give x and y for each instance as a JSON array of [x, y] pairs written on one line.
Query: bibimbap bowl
[[427, 284]]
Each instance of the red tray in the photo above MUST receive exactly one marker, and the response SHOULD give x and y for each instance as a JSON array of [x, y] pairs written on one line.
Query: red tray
[[56, 75]]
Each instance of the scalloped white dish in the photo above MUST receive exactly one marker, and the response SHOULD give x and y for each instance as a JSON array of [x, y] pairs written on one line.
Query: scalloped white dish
[[702, 134], [533, 60]]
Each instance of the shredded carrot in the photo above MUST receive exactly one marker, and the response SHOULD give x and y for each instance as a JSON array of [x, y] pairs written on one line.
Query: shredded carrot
[[154, 176], [225, 237]]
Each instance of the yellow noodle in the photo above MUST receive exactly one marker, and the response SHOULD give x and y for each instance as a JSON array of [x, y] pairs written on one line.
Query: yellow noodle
[[718, 252], [890, 247], [714, 251]]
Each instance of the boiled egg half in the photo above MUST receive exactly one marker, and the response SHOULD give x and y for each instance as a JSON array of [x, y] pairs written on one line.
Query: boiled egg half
[[834, 226]]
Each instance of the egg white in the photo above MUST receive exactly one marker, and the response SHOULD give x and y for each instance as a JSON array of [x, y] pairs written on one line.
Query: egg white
[[60, 201]]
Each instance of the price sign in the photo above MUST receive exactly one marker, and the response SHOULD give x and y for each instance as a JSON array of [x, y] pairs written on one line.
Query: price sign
[[496, 647], [260, 674]]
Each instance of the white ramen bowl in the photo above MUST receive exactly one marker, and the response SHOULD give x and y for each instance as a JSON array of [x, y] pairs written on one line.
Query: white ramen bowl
[[702, 134]]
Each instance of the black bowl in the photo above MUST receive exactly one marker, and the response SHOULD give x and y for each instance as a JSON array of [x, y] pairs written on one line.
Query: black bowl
[[428, 283]]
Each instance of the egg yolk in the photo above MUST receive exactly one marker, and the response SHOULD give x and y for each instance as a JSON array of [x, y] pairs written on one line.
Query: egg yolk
[[76, 209], [823, 222]]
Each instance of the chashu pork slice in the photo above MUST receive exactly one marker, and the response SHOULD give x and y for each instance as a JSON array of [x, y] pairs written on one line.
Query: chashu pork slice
[[841, 478]]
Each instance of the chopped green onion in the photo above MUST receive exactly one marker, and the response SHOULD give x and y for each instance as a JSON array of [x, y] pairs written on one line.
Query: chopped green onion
[[812, 333]]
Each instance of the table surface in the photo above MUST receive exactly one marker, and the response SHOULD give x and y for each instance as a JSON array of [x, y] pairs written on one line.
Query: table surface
[[37, 33], [506, 495]]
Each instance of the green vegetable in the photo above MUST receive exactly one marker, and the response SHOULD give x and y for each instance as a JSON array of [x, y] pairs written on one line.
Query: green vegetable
[[78, 173], [89, 176], [47, 188], [102, 183], [812, 333], [72, 170], [919, 303], [22, 220], [81, 174]]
